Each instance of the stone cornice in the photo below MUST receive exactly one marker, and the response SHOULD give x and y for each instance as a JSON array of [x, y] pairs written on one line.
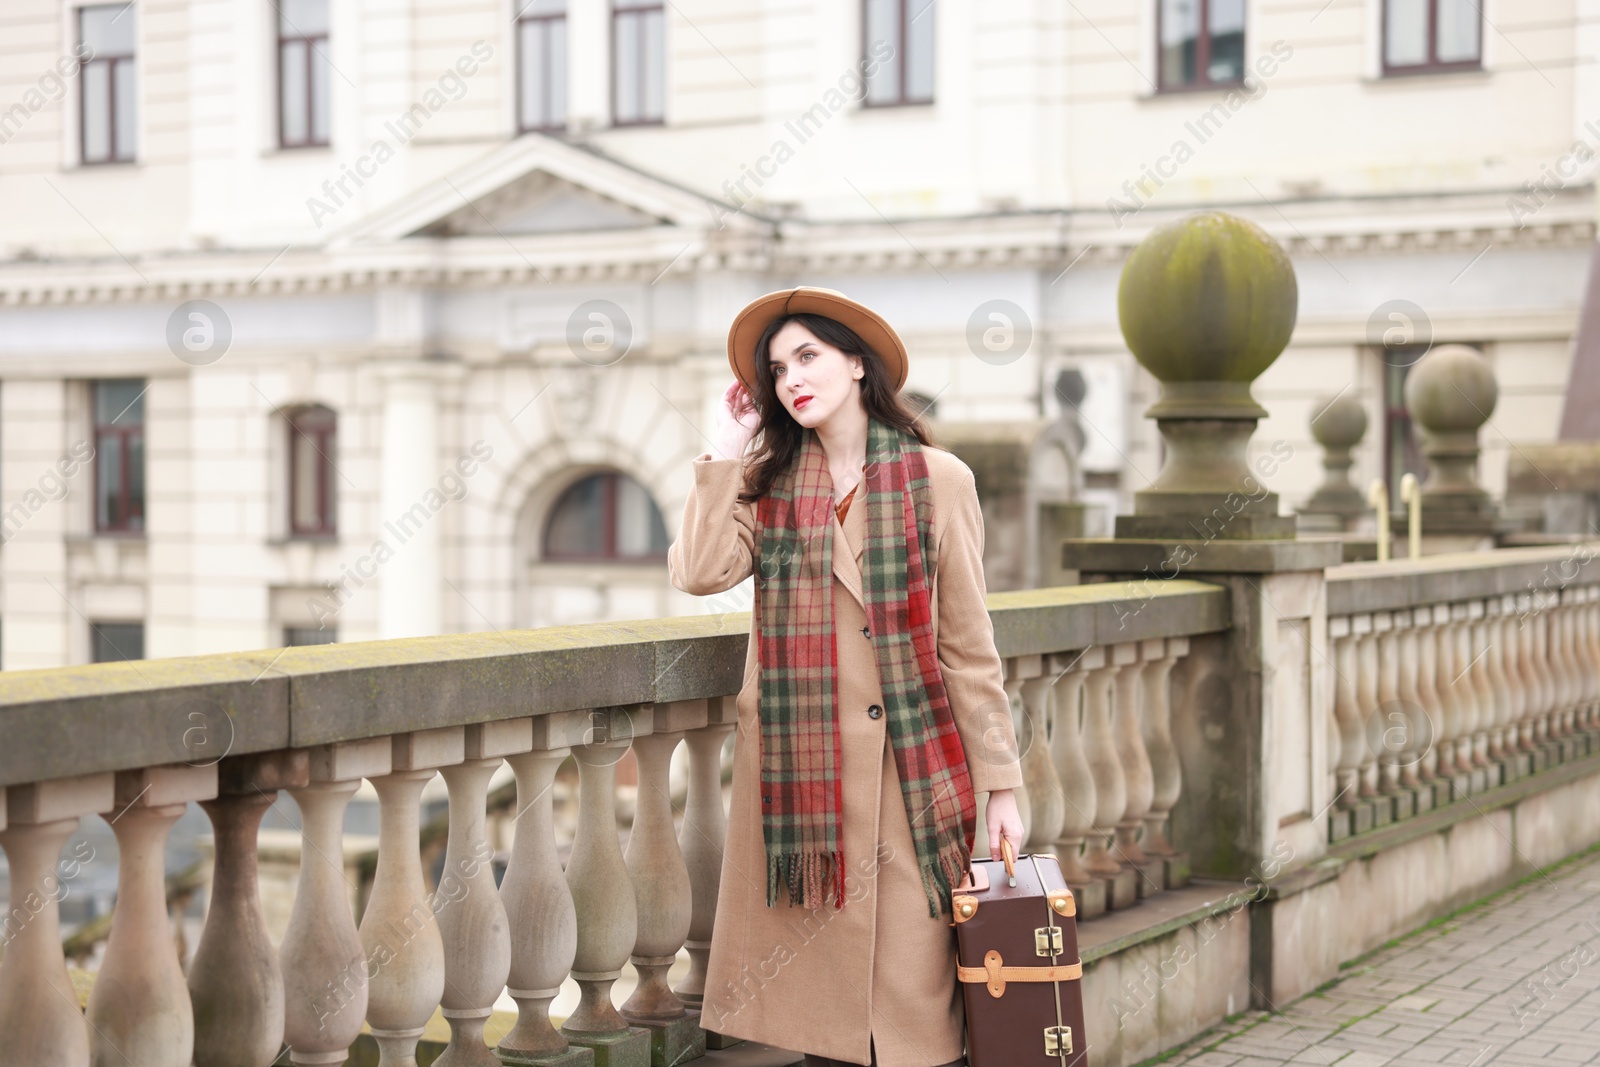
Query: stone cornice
[[1043, 240]]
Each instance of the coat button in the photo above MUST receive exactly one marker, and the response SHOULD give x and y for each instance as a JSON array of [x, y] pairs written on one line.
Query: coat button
[[874, 712]]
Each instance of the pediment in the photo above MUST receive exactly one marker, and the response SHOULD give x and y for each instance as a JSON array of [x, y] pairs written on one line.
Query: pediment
[[538, 185], [537, 203]]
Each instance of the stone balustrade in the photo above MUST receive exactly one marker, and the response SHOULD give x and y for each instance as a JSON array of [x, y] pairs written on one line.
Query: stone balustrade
[[1091, 669], [1458, 674]]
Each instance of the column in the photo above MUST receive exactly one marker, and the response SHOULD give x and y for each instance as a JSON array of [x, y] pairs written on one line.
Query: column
[[705, 830], [1165, 770], [1128, 729], [1046, 804]]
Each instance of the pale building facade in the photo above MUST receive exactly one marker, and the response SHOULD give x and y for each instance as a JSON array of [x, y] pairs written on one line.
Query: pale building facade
[[467, 265]]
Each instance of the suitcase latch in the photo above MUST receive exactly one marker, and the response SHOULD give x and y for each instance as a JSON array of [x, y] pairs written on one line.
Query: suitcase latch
[[1058, 1040], [1047, 941]]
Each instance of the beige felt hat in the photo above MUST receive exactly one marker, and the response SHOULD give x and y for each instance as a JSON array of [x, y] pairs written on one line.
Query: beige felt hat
[[807, 299]]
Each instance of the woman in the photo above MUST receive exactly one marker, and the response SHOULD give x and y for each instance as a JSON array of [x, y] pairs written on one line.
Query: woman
[[872, 709]]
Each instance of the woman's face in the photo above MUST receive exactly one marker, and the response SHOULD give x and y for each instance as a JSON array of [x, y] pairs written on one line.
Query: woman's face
[[814, 380]]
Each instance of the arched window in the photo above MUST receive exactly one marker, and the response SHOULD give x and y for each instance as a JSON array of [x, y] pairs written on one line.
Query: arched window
[[606, 516], [313, 442]]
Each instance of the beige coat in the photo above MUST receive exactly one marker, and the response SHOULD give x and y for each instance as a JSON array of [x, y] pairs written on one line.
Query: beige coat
[[824, 980]]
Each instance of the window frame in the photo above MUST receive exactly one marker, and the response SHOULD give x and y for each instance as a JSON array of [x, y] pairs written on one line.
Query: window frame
[[124, 434], [111, 62], [611, 482], [523, 125], [311, 42], [1202, 62], [617, 14], [321, 439], [1432, 65], [903, 66]]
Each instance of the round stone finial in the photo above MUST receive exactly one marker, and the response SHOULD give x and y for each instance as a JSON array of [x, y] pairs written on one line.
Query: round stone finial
[[1339, 422], [1451, 390], [1208, 298]]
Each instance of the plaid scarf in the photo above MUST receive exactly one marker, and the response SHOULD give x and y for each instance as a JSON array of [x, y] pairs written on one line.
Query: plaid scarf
[[802, 798]]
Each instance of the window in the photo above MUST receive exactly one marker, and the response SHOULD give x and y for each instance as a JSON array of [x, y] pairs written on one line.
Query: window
[[113, 642], [900, 34], [1201, 43], [303, 73], [296, 636], [109, 91], [119, 456], [605, 517], [1402, 452], [542, 65], [1421, 36], [637, 54], [313, 442]]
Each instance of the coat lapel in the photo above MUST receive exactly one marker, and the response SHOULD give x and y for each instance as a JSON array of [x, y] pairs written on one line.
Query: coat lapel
[[848, 542]]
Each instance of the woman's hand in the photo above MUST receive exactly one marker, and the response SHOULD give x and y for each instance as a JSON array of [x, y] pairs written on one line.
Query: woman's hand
[[1004, 819], [737, 421]]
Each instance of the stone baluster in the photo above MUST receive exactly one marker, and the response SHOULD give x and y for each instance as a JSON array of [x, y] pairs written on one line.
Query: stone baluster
[[1583, 665], [1128, 730], [1567, 616], [234, 981], [324, 965], [705, 830], [1533, 678], [40, 1023], [1367, 640], [1463, 687], [597, 874], [1165, 770], [1078, 789], [1549, 690], [661, 888], [1514, 695], [1392, 726], [1343, 631], [1483, 694], [1591, 653], [1100, 749], [1409, 701], [139, 1010], [467, 905], [1560, 666], [405, 953], [1046, 802], [1428, 691], [543, 922], [1499, 681]]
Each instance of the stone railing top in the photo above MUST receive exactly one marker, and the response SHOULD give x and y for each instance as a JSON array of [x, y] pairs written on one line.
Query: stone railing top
[[1356, 588], [69, 721]]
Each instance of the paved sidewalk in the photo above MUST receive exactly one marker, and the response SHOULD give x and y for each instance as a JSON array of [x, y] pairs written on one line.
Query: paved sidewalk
[[1514, 979]]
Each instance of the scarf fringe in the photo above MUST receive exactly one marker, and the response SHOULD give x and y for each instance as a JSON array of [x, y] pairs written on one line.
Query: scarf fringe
[[811, 877], [940, 877]]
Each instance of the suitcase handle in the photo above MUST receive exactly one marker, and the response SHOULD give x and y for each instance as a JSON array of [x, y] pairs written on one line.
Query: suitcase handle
[[1009, 854]]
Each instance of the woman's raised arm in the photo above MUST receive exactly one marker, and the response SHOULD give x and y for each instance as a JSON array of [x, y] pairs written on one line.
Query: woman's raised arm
[[715, 549]]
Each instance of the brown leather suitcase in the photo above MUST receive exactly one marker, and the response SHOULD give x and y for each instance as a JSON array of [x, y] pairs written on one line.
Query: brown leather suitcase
[[1018, 963]]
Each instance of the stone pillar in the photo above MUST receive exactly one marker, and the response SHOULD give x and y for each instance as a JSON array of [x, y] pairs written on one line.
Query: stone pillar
[[1451, 392], [411, 510], [1206, 304], [1338, 423]]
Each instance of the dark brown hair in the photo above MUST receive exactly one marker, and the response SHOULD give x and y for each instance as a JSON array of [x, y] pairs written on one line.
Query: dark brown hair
[[778, 438]]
